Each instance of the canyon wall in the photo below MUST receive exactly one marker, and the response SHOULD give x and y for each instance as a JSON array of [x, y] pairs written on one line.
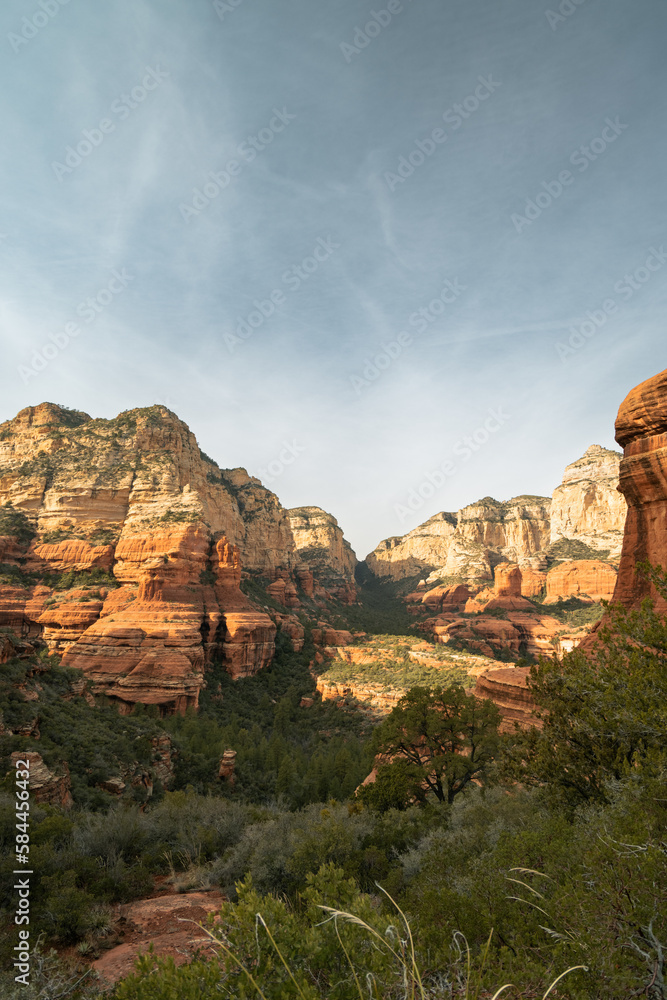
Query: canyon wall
[[321, 547], [584, 518], [641, 430], [126, 545], [587, 506]]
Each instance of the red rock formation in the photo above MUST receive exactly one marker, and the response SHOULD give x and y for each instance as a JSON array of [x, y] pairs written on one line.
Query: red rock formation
[[522, 631], [227, 766], [581, 577], [533, 581], [508, 689], [327, 636], [305, 578], [292, 627], [284, 592], [445, 598], [163, 759], [375, 696], [168, 924], [507, 580], [641, 429], [67, 620], [72, 554], [10, 550], [153, 649]]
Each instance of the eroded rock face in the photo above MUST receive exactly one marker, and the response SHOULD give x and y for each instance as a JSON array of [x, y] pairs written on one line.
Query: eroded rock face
[[581, 578], [508, 688], [587, 506], [641, 429], [515, 529], [423, 548], [321, 546], [135, 500], [467, 545], [150, 644], [508, 580], [170, 925], [132, 477]]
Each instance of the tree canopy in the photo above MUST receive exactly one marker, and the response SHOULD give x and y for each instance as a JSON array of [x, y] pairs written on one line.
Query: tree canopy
[[435, 741], [603, 709]]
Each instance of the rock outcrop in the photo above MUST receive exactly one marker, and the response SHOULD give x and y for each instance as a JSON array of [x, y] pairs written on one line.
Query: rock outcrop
[[168, 925], [81, 479], [513, 530], [508, 580], [587, 506], [466, 545], [586, 510], [320, 545], [134, 505], [641, 430], [581, 578], [508, 688], [420, 550]]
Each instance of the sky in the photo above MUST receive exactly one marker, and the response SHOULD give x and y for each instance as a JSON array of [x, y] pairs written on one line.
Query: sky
[[390, 258]]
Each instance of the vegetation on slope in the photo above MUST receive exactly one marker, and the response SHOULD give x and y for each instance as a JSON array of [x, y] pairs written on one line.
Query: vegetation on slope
[[566, 869]]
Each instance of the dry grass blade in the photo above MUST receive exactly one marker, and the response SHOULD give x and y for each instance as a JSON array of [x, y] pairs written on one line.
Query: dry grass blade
[[572, 968], [520, 899], [280, 954], [228, 951], [351, 919], [349, 961], [531, 871], [525, 885], [415, 969], [498, 992]]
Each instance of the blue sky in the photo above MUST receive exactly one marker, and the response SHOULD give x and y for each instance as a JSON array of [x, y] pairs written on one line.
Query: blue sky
[[236, 209]]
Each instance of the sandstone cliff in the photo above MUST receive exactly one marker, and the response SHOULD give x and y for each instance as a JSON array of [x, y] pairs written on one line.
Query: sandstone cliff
[[466, 545], [420, 550], [641, 430], [585, 513], [321, 547], [587, 506], [85, 479]]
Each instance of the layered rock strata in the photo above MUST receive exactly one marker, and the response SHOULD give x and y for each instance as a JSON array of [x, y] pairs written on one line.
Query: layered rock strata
[[581, 578], [320, 545], [585, 510], [508, 688], [641, 430], [45, 786], [134, 504], [587, 506]]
